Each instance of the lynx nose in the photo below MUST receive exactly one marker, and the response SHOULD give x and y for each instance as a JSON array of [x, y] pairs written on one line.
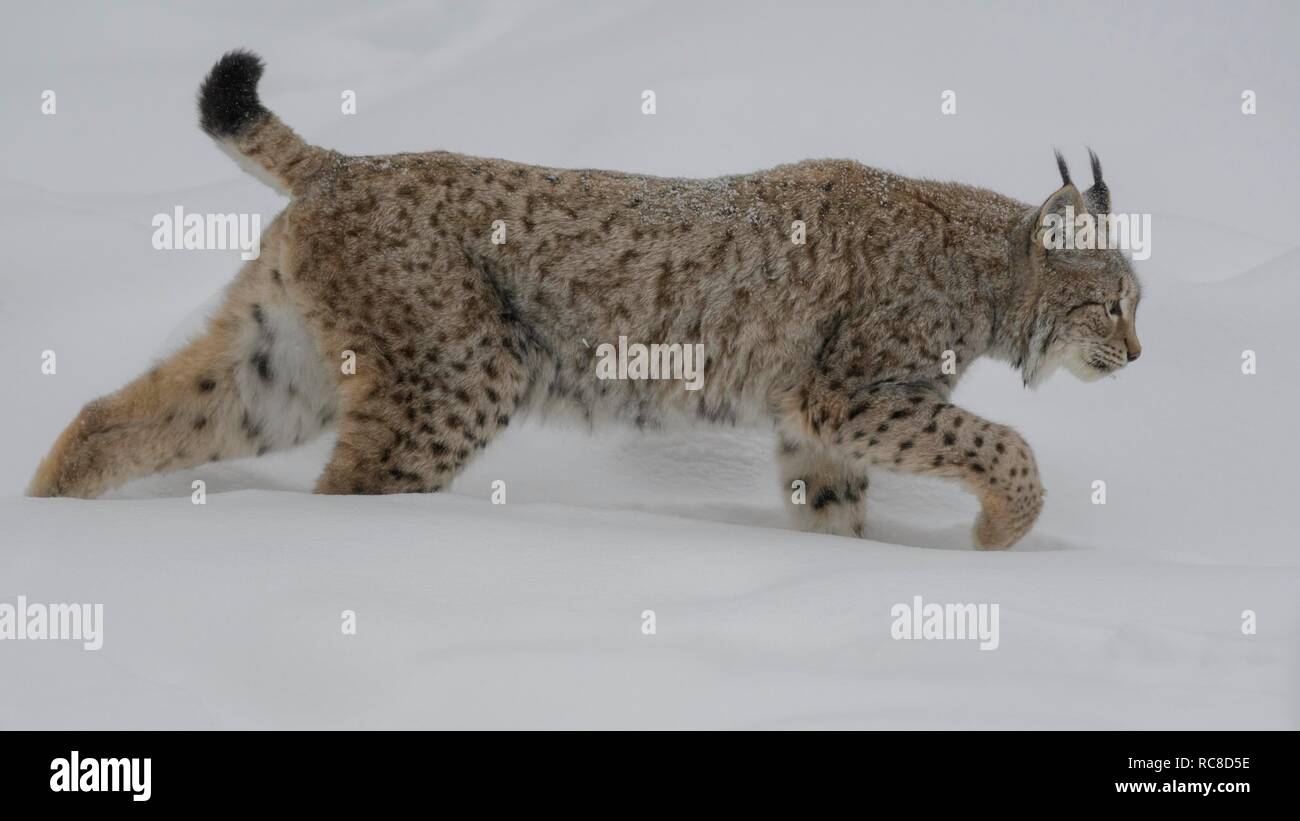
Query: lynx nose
[[1131, 343]]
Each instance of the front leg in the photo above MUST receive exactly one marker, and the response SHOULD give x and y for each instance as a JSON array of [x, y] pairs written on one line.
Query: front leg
[[834, 495], [912, 427]]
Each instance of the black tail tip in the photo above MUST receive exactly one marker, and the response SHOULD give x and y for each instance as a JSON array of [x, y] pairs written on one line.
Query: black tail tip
[[228, 97]]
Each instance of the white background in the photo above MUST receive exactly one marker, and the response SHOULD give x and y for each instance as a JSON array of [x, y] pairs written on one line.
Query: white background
[[528, 614]]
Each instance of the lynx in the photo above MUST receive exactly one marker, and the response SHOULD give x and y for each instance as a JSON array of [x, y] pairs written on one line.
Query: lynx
[[418, 303]]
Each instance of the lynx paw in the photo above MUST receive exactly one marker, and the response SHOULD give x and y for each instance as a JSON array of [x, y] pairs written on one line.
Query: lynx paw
[[1005, 520]]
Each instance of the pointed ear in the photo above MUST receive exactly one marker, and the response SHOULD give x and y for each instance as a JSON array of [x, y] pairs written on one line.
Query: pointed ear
[[1052, 216], [1098, 196]]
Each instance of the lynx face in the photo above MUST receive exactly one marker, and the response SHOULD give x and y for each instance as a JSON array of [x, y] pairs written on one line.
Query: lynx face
[[1086, 308], [1096, 328]]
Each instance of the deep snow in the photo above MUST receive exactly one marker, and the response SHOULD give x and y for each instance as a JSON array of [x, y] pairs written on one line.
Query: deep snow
[[528, 614]]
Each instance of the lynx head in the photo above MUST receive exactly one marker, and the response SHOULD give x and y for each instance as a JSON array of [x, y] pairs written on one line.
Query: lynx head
[[1084, 315]]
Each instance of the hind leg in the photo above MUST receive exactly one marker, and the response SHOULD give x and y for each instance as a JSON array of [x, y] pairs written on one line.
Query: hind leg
[[835, 493], [440, 368], [254, 382]]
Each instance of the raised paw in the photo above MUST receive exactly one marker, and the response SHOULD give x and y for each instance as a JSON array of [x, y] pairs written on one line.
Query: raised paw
[[1007, 518]]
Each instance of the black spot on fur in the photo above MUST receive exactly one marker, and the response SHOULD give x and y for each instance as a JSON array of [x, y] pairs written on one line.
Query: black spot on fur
[[228, 102], [252, 428], [207, 385], [826, 497], [263, 364]]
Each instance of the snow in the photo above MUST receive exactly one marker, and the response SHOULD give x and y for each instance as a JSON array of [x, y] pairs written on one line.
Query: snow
[[529, 614]]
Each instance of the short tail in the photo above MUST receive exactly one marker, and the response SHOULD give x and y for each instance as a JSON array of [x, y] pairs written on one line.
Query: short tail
[[231, 113]]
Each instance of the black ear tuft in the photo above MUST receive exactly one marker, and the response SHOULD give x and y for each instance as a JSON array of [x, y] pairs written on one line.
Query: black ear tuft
[[1065, 170], [228, 100], [1098, 196]]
